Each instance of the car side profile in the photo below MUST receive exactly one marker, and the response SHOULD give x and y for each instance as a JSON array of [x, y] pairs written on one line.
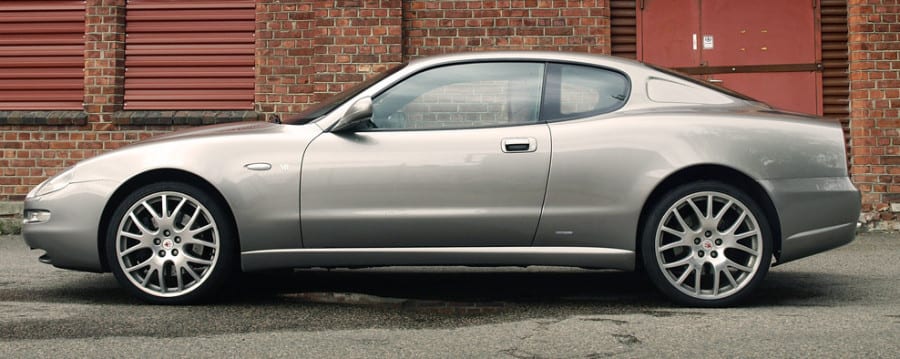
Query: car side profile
[[477, 159]]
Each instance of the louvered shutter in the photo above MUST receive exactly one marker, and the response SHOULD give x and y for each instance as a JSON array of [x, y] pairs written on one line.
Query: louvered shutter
[[189, 55], [41, 55], [623, 28]]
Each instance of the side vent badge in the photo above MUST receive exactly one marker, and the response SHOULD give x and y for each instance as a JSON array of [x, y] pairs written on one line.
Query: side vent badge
[[259, 166]]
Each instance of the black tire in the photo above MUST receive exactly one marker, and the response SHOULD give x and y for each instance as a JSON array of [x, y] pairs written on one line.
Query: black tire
[[161, 256], [705, 246]]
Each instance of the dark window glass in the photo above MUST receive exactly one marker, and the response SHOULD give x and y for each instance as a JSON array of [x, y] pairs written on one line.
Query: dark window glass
[[462, 96], [578, 91]]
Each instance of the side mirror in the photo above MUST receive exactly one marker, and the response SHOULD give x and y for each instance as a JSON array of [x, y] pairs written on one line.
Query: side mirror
[[359, 112]]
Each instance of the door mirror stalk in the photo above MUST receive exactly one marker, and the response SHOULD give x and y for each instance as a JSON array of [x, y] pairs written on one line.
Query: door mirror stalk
[[359, 112]]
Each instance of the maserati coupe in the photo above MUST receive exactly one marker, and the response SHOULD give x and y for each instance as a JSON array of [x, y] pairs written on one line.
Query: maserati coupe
[[479, 159]]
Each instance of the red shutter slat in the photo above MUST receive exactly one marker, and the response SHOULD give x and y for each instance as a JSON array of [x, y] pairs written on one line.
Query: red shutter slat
[[181, 4], [199, 95], [162, 74], [43, 39], [181, 60], [194, 83], [190, 49], [190, 14], [77, 5], [42, 105], [192, 38], [206, 105], [45, 95], [46, 16], [28, 74], [14, 28], [190, 55], [42, 84], [42, 50], [186, 25], [42, 61], [42, 55]]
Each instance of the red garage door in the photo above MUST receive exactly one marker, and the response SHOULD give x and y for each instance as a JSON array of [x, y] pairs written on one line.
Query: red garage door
[[767, 49]]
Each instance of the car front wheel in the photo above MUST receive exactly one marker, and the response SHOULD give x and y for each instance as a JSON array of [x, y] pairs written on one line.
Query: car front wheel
[[706, 244], [170, 243]]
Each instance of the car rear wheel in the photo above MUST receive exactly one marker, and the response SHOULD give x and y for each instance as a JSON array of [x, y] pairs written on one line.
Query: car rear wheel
[[170, 243], [706, 244]]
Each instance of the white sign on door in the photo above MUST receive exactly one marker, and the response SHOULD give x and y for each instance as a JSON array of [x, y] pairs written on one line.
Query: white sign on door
[[708, 42]]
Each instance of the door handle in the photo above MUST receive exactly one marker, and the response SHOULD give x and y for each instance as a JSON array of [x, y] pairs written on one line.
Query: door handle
[[715, 81], [518, 144]]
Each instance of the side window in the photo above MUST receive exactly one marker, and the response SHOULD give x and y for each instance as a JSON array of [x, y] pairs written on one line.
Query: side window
[[462, 96], [578, 91]]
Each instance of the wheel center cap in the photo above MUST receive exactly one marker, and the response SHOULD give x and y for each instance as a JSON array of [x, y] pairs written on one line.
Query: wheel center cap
[[168, 244], [708, 245]]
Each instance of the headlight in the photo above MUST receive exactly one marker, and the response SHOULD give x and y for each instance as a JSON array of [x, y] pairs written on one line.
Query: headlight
[[53, 184], [36, 216]]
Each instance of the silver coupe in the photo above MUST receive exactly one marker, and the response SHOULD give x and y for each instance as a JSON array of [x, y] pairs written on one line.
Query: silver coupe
[[480, 159]]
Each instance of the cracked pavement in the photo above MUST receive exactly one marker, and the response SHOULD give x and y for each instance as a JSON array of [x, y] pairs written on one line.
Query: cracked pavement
[[842, 303]]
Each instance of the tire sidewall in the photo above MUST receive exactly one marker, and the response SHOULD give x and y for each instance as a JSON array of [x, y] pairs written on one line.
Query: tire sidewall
[[648, 244], [225, 260]]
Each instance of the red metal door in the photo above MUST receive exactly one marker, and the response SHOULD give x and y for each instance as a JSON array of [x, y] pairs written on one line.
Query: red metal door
[[667, 32], [767, 49]]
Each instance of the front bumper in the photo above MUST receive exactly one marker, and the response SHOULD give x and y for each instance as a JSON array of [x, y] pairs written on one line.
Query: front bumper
[[816, 214], [70, 235]]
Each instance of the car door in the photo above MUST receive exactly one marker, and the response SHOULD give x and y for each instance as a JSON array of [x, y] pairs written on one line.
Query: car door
[[454, 156], [589, 201]]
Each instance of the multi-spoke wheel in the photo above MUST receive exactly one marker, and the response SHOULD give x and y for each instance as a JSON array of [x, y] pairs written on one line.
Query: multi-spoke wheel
[[170, 243], [706, 244]]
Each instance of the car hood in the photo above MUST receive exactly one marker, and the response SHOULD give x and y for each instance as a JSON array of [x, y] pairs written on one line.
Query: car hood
[[225, 129], [214, 152]]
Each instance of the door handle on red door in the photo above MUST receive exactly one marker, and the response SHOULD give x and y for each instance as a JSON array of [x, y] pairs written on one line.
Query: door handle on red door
[[518, 144]]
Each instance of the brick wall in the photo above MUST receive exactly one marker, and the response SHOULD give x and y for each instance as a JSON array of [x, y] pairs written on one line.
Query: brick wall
[[285, 45], [354, 39], [437, 27], [875, 106]]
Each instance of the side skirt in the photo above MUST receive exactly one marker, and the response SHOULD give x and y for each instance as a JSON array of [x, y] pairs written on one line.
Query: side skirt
[[587, 257]]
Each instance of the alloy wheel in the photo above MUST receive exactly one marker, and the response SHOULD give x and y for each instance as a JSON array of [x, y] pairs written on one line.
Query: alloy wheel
[[709, 245], [167, 244]]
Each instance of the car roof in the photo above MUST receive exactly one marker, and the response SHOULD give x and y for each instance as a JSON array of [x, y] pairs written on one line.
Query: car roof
[[596, 59]]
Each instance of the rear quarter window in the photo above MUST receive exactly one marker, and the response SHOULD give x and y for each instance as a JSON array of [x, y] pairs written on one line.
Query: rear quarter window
[[576, 91]]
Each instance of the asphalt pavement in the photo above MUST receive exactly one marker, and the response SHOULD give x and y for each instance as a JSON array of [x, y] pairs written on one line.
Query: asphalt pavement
[[843, 303]]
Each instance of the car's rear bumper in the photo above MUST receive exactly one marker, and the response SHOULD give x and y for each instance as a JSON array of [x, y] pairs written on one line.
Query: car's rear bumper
[[816, 214], [69, 237]]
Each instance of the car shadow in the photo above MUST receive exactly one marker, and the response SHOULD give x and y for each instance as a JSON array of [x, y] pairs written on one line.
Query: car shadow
[[453, 285], [797, 288], [459, 286]]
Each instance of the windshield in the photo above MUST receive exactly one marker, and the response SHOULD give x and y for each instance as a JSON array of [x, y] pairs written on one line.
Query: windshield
[[320, 109], [705, 84]]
